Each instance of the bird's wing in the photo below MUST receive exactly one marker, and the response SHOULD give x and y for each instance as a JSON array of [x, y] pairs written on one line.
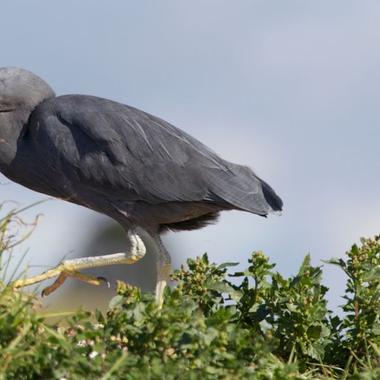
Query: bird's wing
[[128, 154], [113, 148]]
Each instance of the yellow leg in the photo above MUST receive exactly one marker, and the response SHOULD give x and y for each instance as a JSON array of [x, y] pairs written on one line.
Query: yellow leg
[[137, 250], [78, 275], [70, 268], [163, 275]]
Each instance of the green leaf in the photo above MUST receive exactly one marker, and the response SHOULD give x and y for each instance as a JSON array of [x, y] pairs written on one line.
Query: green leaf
[[314, 332], [116, 301], [227, 265], [372, 275]]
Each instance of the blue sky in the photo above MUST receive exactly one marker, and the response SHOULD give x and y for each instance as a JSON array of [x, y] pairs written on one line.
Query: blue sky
[[289, 88]]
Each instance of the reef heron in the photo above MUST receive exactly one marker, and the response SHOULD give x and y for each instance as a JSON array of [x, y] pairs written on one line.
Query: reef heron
[[136, 168]]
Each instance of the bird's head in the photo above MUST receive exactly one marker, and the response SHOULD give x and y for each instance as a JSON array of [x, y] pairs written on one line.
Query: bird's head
[[20, 93], [21, 90]]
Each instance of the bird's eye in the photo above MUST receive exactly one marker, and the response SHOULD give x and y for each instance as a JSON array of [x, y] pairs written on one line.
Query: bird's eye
[[4, 108]]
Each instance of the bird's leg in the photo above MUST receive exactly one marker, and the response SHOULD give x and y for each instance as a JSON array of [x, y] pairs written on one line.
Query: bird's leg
[[164, 268], [163, 275], [70, 268]]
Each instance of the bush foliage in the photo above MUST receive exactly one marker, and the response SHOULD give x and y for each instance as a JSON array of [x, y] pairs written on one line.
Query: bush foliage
[[214, 324]]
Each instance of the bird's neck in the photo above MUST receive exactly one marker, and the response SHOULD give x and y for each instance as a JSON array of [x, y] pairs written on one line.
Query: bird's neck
[[11, 126]]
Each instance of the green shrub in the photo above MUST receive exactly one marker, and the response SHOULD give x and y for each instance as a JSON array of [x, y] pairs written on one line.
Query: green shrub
[[252, 324]]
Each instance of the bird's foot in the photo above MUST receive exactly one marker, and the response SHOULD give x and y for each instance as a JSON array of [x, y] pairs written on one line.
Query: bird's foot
[[73, 274], [62, 272], [71, 268]]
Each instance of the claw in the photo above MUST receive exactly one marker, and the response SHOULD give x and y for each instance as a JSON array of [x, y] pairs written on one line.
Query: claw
[[104, 280]]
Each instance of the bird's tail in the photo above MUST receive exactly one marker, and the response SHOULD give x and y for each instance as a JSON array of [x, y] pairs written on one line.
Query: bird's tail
[[275, 202], [240, 188]]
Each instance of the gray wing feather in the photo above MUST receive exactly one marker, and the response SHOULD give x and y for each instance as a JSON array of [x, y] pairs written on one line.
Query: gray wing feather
[[129, 154]]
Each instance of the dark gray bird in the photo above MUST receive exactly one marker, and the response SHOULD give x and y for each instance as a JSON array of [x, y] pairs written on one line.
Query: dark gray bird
[[122, 162]]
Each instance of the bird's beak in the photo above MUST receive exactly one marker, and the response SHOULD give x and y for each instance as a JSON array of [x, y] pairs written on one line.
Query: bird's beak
[[5, 110]]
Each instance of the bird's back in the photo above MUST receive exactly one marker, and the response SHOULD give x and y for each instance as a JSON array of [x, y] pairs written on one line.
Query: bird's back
[[121, 154]]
